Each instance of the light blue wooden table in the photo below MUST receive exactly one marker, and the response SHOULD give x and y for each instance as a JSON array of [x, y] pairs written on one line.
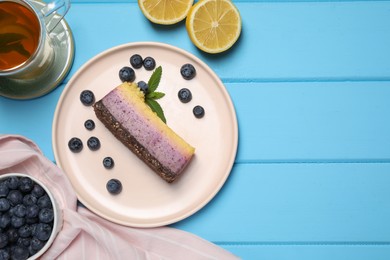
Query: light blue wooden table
[[310, 81]]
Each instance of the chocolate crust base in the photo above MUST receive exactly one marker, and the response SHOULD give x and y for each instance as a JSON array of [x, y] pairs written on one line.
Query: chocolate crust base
[[130, 142]]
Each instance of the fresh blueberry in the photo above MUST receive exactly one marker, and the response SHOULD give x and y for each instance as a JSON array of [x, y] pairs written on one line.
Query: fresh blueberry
[[4, 205], [36, 244], [20, 211], [143, 86], [17, 222], [46, 215], [75, 144], [19, 252], [149, 63], [4, 189], [114, 186], [43, 231], [93, 143], [15, 197], [12, 234], [184, 95], [44, 202], [24, 231], [188, 71], [108, 163], [29, 200], [32, 211], [198, 111], [26, 184], [3, 240], [38, 191], [126, 74], [87, 97], [5, 220], [89, 124], [4, 254], [23, 241], [136, 61], [13, 182]]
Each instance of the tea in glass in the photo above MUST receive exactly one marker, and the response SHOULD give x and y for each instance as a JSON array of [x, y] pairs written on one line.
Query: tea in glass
[[19, 34]]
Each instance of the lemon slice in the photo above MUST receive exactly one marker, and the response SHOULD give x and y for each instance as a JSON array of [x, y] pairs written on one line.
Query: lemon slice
[[165, 11], [214, 25]]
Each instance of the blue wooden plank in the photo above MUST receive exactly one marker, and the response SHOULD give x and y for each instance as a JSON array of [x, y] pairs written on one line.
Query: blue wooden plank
[[273, 204], [312, 121], [289, 252], [290, 41], [31, 118]]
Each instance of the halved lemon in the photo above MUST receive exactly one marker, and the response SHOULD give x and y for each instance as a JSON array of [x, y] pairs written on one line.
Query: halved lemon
[[165, 11], [214, 25]]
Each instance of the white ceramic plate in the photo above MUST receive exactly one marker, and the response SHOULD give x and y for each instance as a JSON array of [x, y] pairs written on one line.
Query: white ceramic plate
[[146, 200]]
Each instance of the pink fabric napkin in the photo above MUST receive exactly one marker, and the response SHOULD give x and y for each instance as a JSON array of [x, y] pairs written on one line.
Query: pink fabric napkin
[[85, 235]]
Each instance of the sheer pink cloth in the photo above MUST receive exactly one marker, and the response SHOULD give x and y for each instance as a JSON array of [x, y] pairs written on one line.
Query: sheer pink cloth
[[85, 235]]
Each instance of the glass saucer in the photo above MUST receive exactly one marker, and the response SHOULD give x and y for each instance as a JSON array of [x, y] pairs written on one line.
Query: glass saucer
[[64, 54]]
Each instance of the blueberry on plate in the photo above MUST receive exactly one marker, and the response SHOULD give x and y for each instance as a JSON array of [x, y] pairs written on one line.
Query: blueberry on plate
[[87, 97], [136, 61], [188, 71], [149, 63], [108, 162], [143, 86], [89, 124], [198, 111], [126, 74], [93, 143], [75, 144], [184, 95], [114, 186]]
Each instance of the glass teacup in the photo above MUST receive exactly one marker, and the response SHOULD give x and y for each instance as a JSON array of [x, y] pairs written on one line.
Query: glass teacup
[[26, 48]]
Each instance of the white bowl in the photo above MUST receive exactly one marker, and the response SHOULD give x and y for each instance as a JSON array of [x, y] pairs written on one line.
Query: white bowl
[[58, 217]]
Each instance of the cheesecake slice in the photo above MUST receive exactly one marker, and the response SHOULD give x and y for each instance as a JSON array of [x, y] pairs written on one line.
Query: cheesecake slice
[[124, 112]]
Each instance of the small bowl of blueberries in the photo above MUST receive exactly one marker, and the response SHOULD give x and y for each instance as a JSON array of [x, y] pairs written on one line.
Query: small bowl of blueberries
[[30, 217]]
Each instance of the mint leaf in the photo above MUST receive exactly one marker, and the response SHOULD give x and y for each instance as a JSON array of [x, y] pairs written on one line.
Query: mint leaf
[[155, 95], [156, 108], [154, 80], [152, 94]]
